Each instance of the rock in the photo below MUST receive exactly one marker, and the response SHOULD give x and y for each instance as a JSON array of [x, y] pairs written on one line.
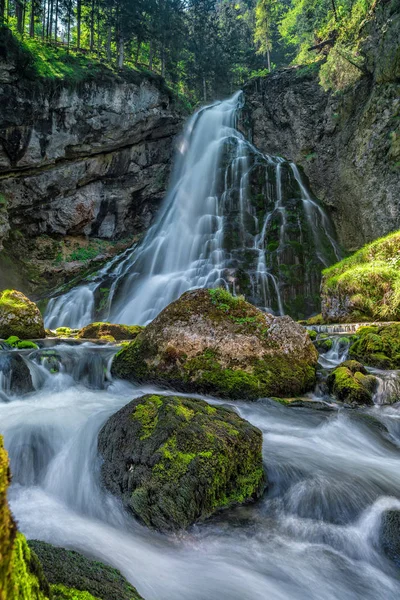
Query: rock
[[378, 346], [364, 286], [350, 383], [323, 343], [175, 461], [117, 332], [21, 575], [67, 568], [390, 535], [15, 372], [210, 342], [19, 316]]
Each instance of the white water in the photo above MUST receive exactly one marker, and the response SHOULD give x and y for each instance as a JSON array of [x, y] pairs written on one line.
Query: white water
[[314, 536], [186, 246]]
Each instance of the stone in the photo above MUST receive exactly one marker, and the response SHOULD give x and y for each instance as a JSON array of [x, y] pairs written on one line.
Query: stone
[[390, 535], [350, 383], [378, 346], [103, 330], [16, 374], [210, 342], [175, 461], [19, 316], [69, 569]]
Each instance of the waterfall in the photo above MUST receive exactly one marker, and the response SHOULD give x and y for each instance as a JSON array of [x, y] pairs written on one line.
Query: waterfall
[[232, 217]]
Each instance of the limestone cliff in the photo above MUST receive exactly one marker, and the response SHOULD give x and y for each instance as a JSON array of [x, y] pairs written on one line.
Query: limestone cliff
[[348, 142], [89, 162]]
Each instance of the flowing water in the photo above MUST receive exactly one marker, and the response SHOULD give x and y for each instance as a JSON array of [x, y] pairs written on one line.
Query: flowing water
[[232, 217], [313, 536]]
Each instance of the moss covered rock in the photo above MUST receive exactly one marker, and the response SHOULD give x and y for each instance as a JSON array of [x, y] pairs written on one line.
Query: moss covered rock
[[364, 286], [175, 461], [378, 346], [211, 342], [21, 575], [66, 569], [350, 383], [109, 330], [19, 316]]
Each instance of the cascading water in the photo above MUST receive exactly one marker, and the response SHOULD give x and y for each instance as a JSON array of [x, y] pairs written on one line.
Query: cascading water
[[232, 217]]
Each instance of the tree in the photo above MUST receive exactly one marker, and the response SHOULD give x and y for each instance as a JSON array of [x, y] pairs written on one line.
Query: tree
[[265, 13]]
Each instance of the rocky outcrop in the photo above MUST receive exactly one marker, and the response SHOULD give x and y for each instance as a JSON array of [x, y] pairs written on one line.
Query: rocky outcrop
[[101, 330], [208, 341], [378, 346], [350, 383], [175, 461], [390, 535], [364, 287], [19, 316], [91, 160], [67, 568], [347, 142]]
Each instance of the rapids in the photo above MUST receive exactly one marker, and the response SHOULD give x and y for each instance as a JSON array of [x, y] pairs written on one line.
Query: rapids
[[313, 536]]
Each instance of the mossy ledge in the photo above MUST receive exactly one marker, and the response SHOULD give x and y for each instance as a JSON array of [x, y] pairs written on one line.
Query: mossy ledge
[[175, 461], [378, 346], [102, 330], [211, 342], [350, 383]]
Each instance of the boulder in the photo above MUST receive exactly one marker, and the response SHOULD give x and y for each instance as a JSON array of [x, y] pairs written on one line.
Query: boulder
[[210, 342], [102, 330], [175, 461], [378, 346], [390, 535], [15, 374], [19, 316], [350, 383], [69, 569]]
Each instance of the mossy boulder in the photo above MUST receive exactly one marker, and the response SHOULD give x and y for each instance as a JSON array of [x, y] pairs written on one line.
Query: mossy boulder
[[66, 569], [15, 342], [323, 343], [378, 346], [104, 331], [21, 575], [15, 371], [175, 461], [19, 316], [350, 383], [210, 342], [364, 286], [390, 535]]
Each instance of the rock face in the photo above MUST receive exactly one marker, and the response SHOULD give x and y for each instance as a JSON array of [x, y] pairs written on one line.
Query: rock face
[[90, 160], [70, 569], [378, 346], [175, 461], [15, 374], [118, 332], [347, 143], [364, 287], [211, 342], [350, 383], [19, 316]]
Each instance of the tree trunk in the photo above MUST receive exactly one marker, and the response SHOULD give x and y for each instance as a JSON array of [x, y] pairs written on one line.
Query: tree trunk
[[69, 25], [19, 10], [56, 22], [204, 89], [2, 11], [151, 55], [109, 37], [51, 20], [78, 23], [120, 51], [269, 60], [139, 45], [32, 20], [92, 27]]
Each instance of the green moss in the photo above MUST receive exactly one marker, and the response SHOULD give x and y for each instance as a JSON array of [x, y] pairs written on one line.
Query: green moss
[[101, 330], [350, 383], [312, 334], [147, 414], [60, 592], [378, 346], [15, 342]]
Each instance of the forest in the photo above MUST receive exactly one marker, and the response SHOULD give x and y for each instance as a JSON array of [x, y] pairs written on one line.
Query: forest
[[203, 48]]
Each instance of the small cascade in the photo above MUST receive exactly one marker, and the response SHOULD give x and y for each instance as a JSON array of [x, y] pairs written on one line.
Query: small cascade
[[232, 217], [345, 328], [388, 391], [337, 353]]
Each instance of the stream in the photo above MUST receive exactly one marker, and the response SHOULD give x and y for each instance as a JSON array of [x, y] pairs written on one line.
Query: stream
[[314, 535]]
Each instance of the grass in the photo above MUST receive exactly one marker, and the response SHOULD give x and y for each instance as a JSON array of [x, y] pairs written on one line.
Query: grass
[[370, 278]]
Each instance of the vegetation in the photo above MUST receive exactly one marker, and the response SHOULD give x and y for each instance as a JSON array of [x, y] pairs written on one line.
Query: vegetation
[[378, 346], [367, 283], [350, 383], [202, 47]]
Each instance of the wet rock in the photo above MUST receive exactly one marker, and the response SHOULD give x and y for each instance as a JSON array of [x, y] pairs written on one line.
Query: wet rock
[[16, 377], [390, 535], [350, 383], [211, 342], [117, 332], [175, 461], [66, 568], [378, 346], [19, 316]]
